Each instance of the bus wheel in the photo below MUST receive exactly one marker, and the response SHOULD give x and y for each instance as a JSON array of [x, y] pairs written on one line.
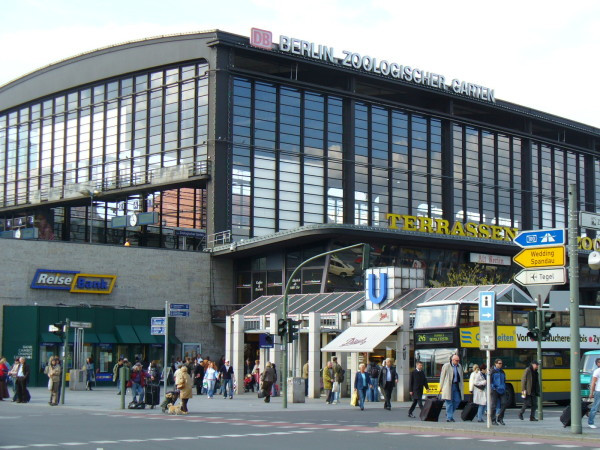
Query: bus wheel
[[510, 396]]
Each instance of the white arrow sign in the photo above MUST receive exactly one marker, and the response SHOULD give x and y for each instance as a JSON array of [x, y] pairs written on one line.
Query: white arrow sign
[[557, 275], [487, 316]]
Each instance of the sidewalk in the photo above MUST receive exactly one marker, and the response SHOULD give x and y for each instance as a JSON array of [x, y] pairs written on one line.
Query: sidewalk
[[104, 399]]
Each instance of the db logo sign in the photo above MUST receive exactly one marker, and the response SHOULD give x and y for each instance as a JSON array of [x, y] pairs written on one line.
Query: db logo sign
[[261, 38]]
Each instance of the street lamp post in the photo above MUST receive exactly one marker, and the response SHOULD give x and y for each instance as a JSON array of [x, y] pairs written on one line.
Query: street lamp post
[[285, 309], [92, 194]]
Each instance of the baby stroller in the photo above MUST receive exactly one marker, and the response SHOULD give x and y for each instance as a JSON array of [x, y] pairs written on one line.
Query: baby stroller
[[170, 397], [248, 383]]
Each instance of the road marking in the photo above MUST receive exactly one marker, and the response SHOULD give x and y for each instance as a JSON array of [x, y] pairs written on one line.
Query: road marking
[[43, 445], [103, 442], [232, 435], [368, 431], [336, 429], [158, 439], [263, 425], [287, 426], [279, 433], [73, 443], [313, 428], [566, 445], [528, 443], [13, 446], [279, 422], [427, 435], [492, 440], [396, 434], [131, 440], [304, 423], [213, 421], [186, 437], [458, 437], [301, 431], [209, 437]]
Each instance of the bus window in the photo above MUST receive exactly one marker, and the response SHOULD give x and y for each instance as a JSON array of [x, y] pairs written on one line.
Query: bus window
[[592, 318], [434, 359], [469, 315], [438, 316], [426, 357], [442, 356]]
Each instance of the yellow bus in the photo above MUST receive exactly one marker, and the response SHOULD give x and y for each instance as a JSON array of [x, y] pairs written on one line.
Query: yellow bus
[[446, 323]]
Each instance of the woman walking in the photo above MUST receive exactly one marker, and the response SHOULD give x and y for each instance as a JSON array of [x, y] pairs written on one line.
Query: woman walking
[[477, 385], [4, 369], [210, 376], [90, 373], [53, 371], [361, 384], [267, 378]]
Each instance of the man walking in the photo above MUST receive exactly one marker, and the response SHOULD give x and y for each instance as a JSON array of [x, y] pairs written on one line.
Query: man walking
[[451, 386], [227, 379], [498, 386], [417, 382], [595, 394], [388, 377], [305, 378], [530, 390], [373, 370], [22, 380], [116, 372], [338, 379]]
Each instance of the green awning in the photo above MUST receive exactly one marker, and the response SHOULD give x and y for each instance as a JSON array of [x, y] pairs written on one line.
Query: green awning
[[46, 336], [143, 333], [89, 337], [126, 334], [107, 338], [174, 340]]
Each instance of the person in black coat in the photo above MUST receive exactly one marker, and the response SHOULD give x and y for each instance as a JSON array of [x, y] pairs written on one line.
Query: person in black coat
[[22, 380], [388, 377], [417, 382]]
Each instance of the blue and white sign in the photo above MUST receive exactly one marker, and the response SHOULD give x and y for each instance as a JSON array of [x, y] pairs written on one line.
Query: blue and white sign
[[157, 321], [487, 301], [541, 238], [179, 306], [178, 313], [157, 331], [379, 286]]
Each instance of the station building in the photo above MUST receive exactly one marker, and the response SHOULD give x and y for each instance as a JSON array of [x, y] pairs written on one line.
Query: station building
[[202, 168]]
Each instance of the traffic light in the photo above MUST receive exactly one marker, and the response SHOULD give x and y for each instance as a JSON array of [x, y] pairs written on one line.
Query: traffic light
[[281, 327], [293, 329], [58, 329], [546, 324], [268, 339], [532, 326]]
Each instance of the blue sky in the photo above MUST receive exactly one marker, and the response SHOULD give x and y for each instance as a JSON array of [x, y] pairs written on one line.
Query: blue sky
[[539, 54]]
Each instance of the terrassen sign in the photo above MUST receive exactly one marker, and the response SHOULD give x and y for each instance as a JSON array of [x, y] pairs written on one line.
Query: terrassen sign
[[263, 39]]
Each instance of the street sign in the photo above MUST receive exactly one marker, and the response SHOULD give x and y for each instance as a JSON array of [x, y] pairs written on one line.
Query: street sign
[[589, 220], [541, 257], [266, 340], [157, 330], [556, 275], [179, 306], [157, 321], [539, 292], [541, 238], [178, 313], [73, 324], [487, 307], [487, 335]]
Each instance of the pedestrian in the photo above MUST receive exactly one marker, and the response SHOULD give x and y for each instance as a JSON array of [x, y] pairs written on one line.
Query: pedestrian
[[12, 376], [594, 394], [305, 378], [328, 381], [53, 370], [479, 389], [530, 390], [227, 379], [210, 377], [89, 373], [4, 370], [338, 379], [116, 372], [416, 383], [256, 375], [451, 386], [267, 378], [198, 376], [138, 382], [388, 377], [373, 370], [183, 381], [22, 371], [361, 384], [498, 386]]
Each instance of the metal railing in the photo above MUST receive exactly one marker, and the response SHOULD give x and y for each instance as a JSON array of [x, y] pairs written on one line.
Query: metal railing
[[220, 238]]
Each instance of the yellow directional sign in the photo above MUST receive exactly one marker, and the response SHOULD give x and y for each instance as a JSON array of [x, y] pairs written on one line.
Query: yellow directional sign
[[541, 257]]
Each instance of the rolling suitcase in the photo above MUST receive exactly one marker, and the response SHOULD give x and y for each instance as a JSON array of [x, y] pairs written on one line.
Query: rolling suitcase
[[469, 411], [431, 410], [152, 395], [565, 417]]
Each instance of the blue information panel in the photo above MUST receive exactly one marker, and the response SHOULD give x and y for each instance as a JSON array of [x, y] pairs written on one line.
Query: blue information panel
[[541, 238], [265, 340], [179, 306], [487, 301], [179, 313]]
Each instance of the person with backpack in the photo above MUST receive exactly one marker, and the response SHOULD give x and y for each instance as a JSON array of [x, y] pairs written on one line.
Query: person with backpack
[[417, 382], [373, 370], [338, 379], [498, 386]]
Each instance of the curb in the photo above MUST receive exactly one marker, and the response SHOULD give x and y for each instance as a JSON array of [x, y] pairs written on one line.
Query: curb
[[512, 434]]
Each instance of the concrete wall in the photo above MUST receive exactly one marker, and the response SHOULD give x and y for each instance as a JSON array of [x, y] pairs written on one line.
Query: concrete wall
[[146, 278]]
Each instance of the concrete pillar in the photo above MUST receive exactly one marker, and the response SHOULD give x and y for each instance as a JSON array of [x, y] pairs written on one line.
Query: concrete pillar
[[314, 355], [228, 336], [236, 357], [351, 370], [403, 357]]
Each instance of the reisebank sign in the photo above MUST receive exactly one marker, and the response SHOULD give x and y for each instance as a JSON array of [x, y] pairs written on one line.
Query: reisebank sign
[[264, 39]]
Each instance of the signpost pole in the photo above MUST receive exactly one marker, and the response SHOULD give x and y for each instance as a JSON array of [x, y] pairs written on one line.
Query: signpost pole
[[65, 362], [540, 400], [165, 363], [488, 362], [574, 313]]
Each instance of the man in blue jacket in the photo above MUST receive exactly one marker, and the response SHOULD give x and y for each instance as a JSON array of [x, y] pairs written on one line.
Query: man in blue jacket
[[498, 385]]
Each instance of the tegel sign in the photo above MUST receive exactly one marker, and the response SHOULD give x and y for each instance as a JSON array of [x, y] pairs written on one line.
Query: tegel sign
[[73, 281], [262, 39]]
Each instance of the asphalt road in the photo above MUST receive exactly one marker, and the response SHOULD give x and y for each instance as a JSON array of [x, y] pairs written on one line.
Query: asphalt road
[[40, 426]]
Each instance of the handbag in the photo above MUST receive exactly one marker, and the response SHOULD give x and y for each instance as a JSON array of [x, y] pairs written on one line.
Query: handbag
[[50, 384], [354, 399]]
